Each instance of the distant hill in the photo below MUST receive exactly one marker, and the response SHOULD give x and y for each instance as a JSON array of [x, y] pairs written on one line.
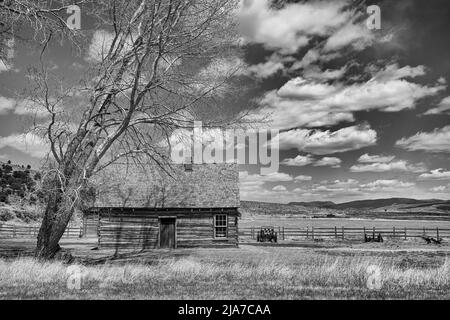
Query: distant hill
[[394, 208], [314, 204], [264, 208], [372, 204]]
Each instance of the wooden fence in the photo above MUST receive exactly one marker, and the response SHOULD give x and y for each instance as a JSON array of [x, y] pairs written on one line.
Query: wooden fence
[[290, 233], [20, 231]]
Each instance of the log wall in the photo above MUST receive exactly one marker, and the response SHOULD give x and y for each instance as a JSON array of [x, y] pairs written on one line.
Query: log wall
[[140, 230]]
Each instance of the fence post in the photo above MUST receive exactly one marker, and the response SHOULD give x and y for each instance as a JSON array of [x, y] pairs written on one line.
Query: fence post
[[14, 231], [283, 234], [393, 229], [307, 232], [373, 233], [335, 232], [343, 233], [312, 232], [406, 235], [251, 232], [364, 230], [437, 233]]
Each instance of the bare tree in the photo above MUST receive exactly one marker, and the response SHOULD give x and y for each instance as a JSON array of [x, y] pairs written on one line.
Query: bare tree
[[35, 20], [158, 66]]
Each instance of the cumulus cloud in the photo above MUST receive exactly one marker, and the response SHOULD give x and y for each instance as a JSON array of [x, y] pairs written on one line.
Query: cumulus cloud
[[386, 185], [394, 72], [299, 161], [303, 178], [267, 69], [244, 176], [279, 188], [292, 26], [6, 105], [308, 101], [366, 158], [438, 174], [327, 142], [329, 162], [4, 67], [100, 43], [30, 144], [435, 141], [314, 73], [443, 107], [356, 35], [400, 165], [439, 189]]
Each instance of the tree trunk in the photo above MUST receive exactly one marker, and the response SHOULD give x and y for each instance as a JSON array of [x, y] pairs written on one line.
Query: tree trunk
[[57, 215]]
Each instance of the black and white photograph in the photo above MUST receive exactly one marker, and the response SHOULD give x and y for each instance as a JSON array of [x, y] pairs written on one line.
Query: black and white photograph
[[200, 151]]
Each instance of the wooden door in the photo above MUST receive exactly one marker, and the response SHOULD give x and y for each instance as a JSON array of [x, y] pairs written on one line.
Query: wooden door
[[167, 233]]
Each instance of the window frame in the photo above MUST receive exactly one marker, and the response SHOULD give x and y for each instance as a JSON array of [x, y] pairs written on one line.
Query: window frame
[[220, 226]]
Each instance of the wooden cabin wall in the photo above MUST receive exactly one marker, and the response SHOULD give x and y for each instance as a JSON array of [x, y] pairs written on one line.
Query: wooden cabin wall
[[141, 231]]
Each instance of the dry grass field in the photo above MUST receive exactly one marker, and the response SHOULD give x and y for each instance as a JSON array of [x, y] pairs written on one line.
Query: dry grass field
[[306, 269], [312, 271]]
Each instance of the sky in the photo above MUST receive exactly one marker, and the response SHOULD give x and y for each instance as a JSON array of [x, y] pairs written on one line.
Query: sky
[[362, 113]]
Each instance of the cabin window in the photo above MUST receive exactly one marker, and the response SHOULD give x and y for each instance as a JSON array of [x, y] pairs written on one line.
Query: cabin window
[[220, 226]]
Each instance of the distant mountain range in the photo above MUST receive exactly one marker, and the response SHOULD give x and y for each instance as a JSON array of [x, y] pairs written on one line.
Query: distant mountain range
[[373, 204]]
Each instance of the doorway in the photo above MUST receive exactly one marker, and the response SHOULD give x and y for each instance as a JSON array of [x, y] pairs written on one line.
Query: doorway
[[167, 233]]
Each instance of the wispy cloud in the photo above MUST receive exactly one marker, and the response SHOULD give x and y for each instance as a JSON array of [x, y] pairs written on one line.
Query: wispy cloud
[[435, 141]]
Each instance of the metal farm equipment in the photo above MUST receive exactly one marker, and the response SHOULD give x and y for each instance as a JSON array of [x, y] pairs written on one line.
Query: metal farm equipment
[[267, 234]]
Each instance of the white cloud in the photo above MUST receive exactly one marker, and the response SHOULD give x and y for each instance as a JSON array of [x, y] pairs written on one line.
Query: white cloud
[[292, 26], [267, 69], [436, 141], [299, 161], [27, 143], [100, 43], [314, 73], [366, 158], [3, 67], [279, 188], [326, 142], [28, 107], [6, 105], [300, 88], [303, 178], [309, 102], [438, 174], [357, 35], [329, 162], [244, 176], [439, 189], [393, 72], [386, 185], [443, 107], [400, 165]]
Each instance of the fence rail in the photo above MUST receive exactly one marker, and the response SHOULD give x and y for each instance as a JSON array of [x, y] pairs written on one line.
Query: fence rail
[[19, 231], [288, 233]]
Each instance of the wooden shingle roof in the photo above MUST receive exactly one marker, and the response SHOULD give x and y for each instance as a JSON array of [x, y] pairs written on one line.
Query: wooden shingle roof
[[132, 186]]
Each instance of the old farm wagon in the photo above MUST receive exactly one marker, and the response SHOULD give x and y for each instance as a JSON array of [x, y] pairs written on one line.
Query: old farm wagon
[[142, 207]]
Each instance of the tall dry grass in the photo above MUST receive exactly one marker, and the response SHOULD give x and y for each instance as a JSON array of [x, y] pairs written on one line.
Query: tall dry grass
[[319, 278]]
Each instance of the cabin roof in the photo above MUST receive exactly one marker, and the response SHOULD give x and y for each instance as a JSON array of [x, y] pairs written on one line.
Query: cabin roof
[[148, 186]]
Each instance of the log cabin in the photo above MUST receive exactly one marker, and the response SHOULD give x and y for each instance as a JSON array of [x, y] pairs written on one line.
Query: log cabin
[[144, 207]]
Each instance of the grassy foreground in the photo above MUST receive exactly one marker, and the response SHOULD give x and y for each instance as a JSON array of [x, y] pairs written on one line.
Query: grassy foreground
[[314, 277]]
